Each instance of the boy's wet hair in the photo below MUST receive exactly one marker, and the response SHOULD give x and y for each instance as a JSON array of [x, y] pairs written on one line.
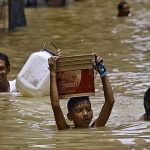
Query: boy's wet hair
[[5, 58], [147, 102], [121, 5], [74, 101]]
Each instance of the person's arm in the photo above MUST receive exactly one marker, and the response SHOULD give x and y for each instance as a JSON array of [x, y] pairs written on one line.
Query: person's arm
[[58, 114], [108, 94]]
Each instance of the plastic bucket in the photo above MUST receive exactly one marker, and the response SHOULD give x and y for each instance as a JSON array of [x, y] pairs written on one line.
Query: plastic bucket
[[34, 77]]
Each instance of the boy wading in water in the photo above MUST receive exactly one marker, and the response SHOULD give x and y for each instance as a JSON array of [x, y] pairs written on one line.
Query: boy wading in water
[[146, 115], [79, 108], [123, 9], [5, 85]]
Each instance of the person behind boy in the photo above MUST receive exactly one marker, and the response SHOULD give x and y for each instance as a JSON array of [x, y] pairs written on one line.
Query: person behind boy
[[146, 115], [79, 108], [123, 9], [5, 85]]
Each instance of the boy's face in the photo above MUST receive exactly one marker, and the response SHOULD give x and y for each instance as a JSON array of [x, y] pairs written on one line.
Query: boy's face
[[81, 114], [126, 10], [3, 71]]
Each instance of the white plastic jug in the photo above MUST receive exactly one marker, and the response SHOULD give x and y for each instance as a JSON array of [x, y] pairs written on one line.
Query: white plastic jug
[[34, 77]]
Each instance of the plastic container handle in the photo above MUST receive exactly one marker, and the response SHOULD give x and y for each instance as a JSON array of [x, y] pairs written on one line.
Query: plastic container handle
[[46, 50]]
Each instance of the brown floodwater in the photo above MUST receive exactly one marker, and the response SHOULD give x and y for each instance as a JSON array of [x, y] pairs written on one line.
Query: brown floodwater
[[86, 26]]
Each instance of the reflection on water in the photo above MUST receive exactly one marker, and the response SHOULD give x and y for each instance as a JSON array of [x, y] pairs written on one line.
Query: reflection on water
[[84, 27]]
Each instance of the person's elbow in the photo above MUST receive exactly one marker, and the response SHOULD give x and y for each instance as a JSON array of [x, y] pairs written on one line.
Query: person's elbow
[[111, 101]]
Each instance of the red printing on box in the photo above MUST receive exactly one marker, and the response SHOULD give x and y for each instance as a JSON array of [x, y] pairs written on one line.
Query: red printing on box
[[75, 82]]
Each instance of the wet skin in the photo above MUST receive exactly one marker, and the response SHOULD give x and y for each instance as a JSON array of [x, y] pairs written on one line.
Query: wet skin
[[4, 84], [81, 115], [125, 10], [3, 71]]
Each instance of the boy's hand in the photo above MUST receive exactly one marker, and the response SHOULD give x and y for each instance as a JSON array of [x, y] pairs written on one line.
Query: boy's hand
[[52, 61], [58, 53], [100, 67]]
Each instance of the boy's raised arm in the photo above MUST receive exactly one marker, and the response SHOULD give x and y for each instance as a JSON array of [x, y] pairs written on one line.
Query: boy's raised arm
[[108, 94], [58, 114]]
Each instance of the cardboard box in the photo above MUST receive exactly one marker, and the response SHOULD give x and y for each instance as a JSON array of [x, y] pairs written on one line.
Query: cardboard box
[[75, 76]]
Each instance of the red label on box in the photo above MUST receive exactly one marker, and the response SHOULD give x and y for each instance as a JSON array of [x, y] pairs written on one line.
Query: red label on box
[[77, 82]]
